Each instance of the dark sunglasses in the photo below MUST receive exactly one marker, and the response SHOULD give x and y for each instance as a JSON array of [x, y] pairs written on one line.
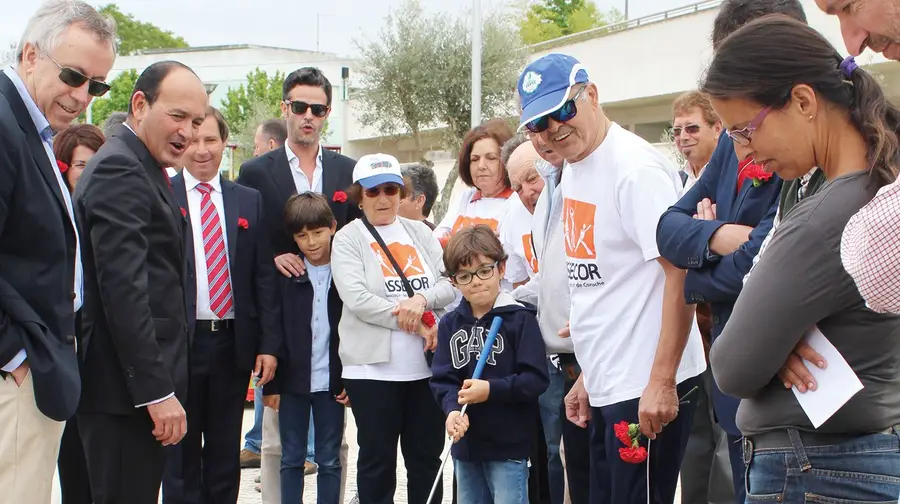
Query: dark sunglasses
[[388, 190], [300, 108], [563, 114], [74, 78], [690, 129]]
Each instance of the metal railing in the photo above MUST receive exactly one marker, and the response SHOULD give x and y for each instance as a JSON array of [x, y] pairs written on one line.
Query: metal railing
[[625, 25]]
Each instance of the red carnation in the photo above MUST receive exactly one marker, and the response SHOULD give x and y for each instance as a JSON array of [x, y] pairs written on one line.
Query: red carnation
[[63, 167], [429, 319], [339, 197], [622, 434], [183, 212], [748, 170], [633, 455], [242, 223]]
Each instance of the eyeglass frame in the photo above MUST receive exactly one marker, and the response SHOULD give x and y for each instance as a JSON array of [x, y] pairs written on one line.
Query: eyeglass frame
[[744, 135], [104, 86], [492, 267], [557, 113], [309, 107]]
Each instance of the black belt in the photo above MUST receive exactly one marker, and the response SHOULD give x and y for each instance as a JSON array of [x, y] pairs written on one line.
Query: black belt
[[567, 359], [781, 439], [214, 325]]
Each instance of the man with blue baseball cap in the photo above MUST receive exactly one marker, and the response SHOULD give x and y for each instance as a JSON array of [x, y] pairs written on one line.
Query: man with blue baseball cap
[[635, 338]]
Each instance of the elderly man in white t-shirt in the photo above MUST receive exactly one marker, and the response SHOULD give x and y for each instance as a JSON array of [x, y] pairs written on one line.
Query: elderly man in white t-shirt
[[634, 336]]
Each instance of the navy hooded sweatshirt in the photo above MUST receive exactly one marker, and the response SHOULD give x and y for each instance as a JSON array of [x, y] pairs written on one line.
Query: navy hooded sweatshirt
[[504, 427]]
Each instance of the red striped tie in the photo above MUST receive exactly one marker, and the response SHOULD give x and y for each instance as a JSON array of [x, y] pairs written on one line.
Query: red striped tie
[[220, 300]]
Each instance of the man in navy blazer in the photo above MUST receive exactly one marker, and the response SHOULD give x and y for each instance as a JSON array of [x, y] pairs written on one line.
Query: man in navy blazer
[[230, 294]]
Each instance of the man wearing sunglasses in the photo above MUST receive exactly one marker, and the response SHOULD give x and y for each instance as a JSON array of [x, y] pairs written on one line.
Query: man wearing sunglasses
[[635, 339], [62, 62]]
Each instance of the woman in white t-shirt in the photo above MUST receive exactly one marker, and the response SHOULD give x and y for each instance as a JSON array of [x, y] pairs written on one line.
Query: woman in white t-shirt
[[486, 200], [385, 332]]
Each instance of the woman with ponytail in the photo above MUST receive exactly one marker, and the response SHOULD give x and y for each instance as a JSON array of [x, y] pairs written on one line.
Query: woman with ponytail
[[790, 102]]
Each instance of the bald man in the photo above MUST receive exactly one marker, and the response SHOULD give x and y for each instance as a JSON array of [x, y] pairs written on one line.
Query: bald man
[[524, 177]]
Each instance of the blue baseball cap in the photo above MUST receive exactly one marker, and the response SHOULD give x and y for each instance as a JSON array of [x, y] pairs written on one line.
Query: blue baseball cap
[[544, 85]]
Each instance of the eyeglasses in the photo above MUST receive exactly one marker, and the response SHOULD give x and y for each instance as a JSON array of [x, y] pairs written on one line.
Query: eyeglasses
[[742, 136], [466, 277], [690, 129], [563, 114], [300, 108], [388, 190], [74, 78]]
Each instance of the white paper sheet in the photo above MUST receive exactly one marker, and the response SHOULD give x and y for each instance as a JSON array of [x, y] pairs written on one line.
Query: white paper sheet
[[836, 384]]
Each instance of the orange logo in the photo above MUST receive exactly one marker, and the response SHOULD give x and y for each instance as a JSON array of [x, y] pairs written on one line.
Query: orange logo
[[406, 257], [527, 242], [579, 226], [463, 221]]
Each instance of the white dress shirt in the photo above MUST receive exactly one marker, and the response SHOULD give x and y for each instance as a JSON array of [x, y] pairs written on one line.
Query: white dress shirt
[[301, 181], [194, 196], [43, 129]]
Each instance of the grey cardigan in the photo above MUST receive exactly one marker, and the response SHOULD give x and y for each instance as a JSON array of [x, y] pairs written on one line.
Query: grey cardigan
[[367, 321]]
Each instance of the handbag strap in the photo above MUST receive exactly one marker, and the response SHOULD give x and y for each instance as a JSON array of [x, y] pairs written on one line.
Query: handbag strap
[[406, 285]]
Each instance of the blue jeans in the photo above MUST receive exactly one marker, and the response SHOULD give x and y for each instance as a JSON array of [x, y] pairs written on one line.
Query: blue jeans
[[497, 482], [311, 440], [552, 423], [293, 419], [253, 438], [863, 469]]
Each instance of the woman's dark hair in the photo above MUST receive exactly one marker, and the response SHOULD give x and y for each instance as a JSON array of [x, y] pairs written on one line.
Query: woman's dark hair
[[86, 135], [734, 14], [496, 129], [765, 59]]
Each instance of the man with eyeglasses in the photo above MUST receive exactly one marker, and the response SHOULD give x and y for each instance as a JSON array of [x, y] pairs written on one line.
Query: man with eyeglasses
[[62, 63], [301, 165], [636, 341]]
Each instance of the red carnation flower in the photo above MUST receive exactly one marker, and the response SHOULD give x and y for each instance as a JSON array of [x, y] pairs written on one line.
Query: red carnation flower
[[242, 223], [633, 455], [63, 167], [429, 319], [622, 434], [748, 170], [183, 212], [339, 197]]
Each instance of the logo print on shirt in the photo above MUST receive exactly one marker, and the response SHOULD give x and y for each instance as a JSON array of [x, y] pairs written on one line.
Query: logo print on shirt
[[462, 222], [463, 346], [406, 257], [528, 243], [578, 217]]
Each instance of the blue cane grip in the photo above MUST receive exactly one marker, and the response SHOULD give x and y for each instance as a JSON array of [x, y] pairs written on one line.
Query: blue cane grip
[[486, 348]]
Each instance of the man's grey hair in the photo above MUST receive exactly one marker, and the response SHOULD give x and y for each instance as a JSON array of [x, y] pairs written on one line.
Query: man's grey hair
[[112, 122], [52, 19], [510, 146], [423, 181]]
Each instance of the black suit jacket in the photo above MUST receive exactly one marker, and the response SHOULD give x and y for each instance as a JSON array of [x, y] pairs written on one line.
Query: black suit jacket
[[37, 262], [270, 174], [134, 321], [257, 328], [295, 365]]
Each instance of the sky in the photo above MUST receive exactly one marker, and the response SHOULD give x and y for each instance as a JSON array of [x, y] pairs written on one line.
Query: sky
[[282, 23]]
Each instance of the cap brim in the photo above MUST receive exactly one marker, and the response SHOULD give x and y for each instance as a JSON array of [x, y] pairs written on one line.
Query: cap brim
[[382, 178], [543, 105]]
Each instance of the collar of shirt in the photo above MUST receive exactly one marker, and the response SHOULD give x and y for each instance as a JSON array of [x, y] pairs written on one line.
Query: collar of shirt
[[191, 183], [296, 164], [503, 195], [40, 122], [316, 272]]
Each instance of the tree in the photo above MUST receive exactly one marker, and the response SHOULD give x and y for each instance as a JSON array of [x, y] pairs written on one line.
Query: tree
[[549, 19], [9, 55], [258, 99], [116, 100], [417, 75], [135, 35]]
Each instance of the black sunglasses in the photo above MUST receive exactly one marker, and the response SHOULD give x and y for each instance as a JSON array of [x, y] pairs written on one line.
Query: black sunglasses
[[74, 78], [690, 129], [300, 108], [563, 114], [388, 190]]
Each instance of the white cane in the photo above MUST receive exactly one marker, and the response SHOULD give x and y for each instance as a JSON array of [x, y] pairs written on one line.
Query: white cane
[[482, 360]]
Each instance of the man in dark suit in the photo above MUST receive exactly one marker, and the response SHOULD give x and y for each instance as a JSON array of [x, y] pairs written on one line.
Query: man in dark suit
[[232, 316], [55, 77], [301, 165], [135, 371]]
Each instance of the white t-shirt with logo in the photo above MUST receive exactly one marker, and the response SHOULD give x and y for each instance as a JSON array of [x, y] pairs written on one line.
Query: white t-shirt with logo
[[612, 202], [515, 234], [407, 350]]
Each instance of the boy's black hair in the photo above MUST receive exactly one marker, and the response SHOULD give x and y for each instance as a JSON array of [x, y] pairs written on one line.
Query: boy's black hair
[[307, 211]]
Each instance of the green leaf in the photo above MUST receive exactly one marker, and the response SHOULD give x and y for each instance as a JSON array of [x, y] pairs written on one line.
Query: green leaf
[[136, 35], [116, 100]]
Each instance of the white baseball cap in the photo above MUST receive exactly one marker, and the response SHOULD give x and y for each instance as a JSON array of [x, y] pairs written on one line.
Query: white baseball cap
[[375, 169]]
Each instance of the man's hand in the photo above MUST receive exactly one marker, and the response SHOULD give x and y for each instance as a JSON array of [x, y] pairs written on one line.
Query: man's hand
[[409, 313], [265, 368], [474, 392], [290, 265], [169, 421], [729, 238], [20, 373], [343, 398], [578, 406], [457, 425], [706, 210], [795, 373], [565, 332], [658, 406], [429, 334], [272, 401]]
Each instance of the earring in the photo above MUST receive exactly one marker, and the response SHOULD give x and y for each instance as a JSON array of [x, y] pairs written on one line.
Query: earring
[[360, 206], [810, 118]]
